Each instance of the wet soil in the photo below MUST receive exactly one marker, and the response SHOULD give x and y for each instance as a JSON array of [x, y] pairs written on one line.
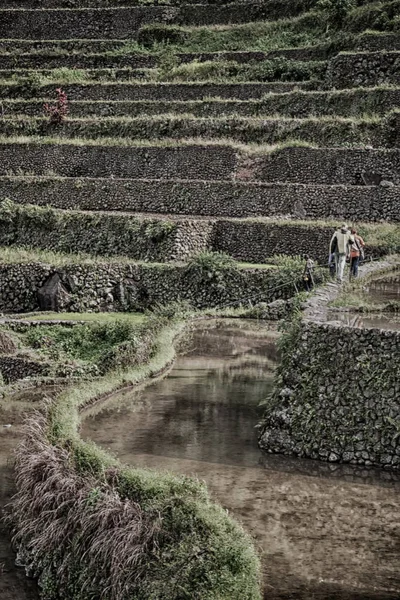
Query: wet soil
[[321, 537]]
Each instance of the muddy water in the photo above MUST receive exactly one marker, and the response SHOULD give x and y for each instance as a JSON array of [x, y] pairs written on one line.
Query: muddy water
[[377, 321], [320, 537], [381, 291], [384, 289]]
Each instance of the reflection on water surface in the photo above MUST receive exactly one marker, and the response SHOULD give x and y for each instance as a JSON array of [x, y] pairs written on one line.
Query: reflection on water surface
[[319, 537]]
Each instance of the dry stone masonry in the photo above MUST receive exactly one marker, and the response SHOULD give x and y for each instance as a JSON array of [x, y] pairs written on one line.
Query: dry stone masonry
[[337, 392]]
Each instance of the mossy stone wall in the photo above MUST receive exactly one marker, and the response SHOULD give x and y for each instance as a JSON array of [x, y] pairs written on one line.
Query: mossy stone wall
[[118, 287], [338, 396], [207, 198]]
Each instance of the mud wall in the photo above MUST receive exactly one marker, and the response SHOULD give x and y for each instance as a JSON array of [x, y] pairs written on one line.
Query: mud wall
[[338, 396]]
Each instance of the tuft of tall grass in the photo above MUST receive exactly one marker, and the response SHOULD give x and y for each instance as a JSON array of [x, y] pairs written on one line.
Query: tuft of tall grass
[[162, 533]]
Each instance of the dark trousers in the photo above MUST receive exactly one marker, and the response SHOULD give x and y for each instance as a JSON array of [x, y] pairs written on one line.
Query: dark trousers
[[354, 263], [308, 284]]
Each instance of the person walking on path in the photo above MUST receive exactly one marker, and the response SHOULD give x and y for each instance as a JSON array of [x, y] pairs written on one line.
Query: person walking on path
[[356, 253], [308, 278], [340, 246]]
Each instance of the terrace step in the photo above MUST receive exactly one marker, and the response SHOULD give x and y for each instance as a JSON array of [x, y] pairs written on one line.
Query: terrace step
[[72, 61], [7, 76], [124, 22], [300, 104], [207, 198], [324, 132], [163, 239], [354, 69], [155, 91], [212, 161], [367, 41], [325, 166], [77, 160], [283, 8], [65, 59], [376, 42]]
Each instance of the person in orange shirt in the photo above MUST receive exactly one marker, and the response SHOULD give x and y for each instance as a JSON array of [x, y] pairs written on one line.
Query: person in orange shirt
[[356, 253]]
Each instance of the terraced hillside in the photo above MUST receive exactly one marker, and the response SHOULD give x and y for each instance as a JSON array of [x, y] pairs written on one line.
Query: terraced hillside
[[248, 128]]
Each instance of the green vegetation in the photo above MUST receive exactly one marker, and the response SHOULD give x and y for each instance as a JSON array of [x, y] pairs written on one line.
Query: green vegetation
[[198, 540], [305, 30], [277, 69], [322, 131], [84, 342], [108, 317]]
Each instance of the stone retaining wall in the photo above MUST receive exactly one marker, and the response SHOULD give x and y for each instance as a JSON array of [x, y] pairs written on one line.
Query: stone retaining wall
[[197, 162], [378, 42], [337, 391], [326, 166], [339, 399], [207, 198], [294, 104], [237, 129], [254, 241], [154, 91], [128, 286], [208, 162], [124, 22], [163, 239], [73, 61], [275, 8], [70, 24], [13, 368], [105, 234], [364, 69]]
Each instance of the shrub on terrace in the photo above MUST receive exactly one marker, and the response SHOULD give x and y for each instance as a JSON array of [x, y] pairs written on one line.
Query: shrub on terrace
[[211, 267], [58, 111], [335, 10]]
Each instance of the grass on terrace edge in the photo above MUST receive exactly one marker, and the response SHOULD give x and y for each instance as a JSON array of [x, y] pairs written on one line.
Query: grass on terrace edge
[[163, 143], [104, 317], [233, 559], [10, 255], [354, 296], [306, 30], [385, 235], [178, 118], [117, 47]]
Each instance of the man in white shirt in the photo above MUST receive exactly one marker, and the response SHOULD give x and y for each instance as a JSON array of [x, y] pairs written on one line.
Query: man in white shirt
[[340, 247]]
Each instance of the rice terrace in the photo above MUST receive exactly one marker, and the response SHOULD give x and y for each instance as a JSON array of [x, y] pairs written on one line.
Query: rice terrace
[[199, 300]]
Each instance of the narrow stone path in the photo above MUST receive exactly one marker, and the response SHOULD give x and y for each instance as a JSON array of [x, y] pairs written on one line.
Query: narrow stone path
[[317, 306]]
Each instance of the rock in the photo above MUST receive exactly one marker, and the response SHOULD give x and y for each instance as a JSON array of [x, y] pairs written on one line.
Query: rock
[[53, 296], [7, 344], [386, 183]]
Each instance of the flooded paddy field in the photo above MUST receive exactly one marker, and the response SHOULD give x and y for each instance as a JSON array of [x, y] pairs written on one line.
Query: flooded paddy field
[[323, 531]]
